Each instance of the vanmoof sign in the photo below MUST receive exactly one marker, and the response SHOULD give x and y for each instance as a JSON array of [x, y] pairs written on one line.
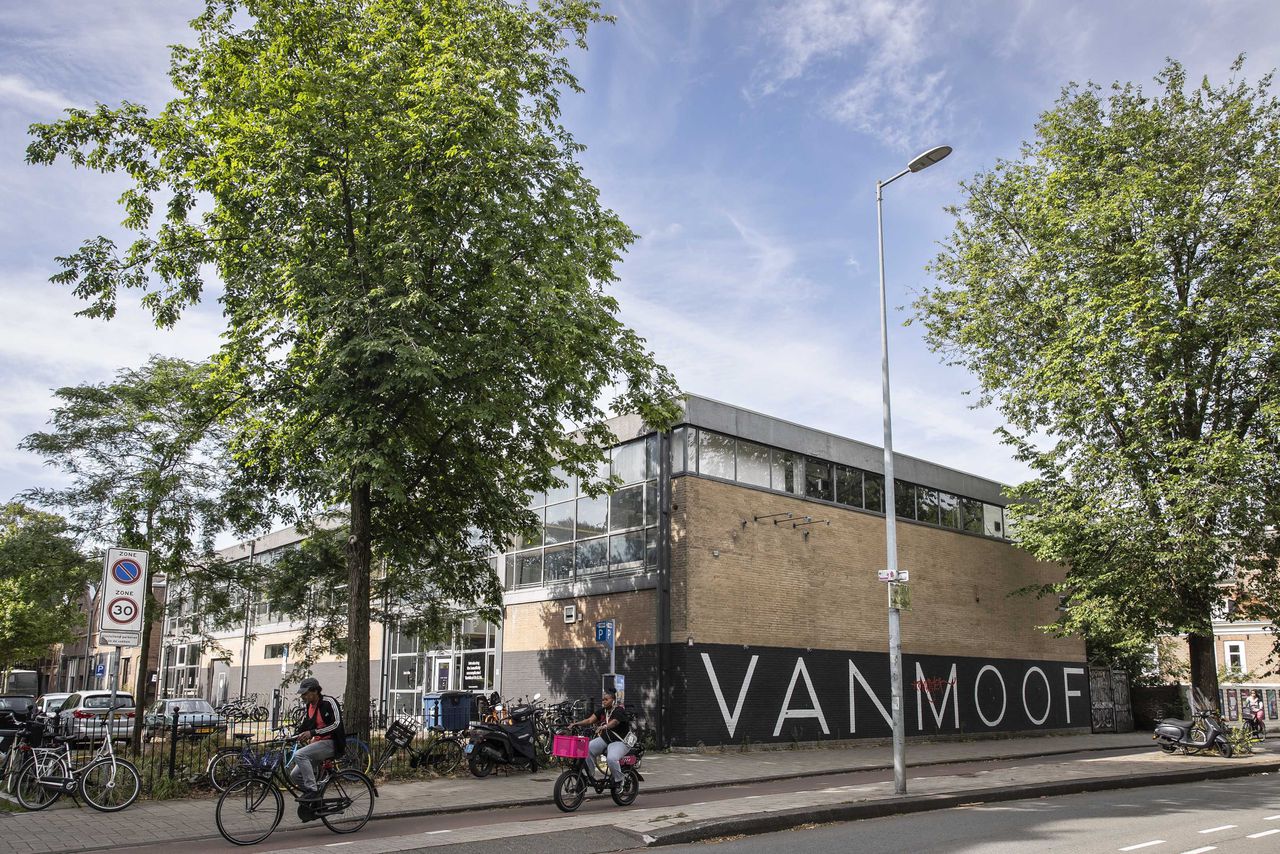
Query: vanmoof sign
[[800, 694]]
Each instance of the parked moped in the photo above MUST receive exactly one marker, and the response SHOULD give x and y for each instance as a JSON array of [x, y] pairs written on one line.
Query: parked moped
[[508, 745], [1205, 731]]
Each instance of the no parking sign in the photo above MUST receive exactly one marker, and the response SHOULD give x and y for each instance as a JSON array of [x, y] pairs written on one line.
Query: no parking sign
[[124, 597]]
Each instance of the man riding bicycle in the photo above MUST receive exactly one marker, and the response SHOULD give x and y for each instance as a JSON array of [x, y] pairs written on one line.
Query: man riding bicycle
[[320, 731], [613, 724]]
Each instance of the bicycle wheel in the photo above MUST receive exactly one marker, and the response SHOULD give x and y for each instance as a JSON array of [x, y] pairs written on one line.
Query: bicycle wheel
[[110, 785], [625, 795], [569, 791], [356, 791], [261, 713], [444, 757], [31, 792], [226, 766], [249, 811], [356, 756]]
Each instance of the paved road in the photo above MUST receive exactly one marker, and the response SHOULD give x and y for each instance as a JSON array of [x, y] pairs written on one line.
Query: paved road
[[1240, 816]]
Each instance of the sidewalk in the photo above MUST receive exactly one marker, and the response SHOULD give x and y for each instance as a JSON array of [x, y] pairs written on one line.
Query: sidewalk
[[70, 829]]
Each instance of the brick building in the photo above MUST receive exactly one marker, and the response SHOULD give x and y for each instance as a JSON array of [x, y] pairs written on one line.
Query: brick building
[[738, 559]]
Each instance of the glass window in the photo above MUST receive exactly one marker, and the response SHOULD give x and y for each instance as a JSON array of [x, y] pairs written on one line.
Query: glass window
[[593, 556], [873, 491], [529, 568], [651, 455], [557, 563], [562, 493], [848, 486], [971, 515], [626, 508], [992, 520], [677, 450], [536, 499], [817, 480], [948, 510], [593, 516], [753, 464], [626, 551], [651, 547], [559, 526], [520, 541], [1235, 655], [510, 581], [651, 503], [786, 472], [927, 504], [630, 461], [904, 499], [715, 455]]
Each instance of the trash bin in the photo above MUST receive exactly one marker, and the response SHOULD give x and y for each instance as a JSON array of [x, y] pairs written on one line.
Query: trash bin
[[455, 710]]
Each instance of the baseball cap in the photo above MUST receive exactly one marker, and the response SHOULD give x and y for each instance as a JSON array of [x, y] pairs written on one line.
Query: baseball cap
[[309, 684]]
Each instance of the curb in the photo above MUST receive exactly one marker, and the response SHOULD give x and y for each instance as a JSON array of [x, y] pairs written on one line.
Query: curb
[[787, 819]]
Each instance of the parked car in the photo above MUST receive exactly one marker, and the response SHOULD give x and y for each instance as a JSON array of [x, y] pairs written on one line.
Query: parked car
[[196, 719], [83, 716], [18, 705], [48, 704]]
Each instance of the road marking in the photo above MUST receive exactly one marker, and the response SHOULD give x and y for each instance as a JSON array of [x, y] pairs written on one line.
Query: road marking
[[434, 832], [1263, 833], [1216, 829], [1201, 850], [1272, 818], [336, 844], [1143, 845]]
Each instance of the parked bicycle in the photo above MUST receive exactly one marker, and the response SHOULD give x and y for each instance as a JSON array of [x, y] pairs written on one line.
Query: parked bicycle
[[572, 784], [105, 782], [251, 808], [272, 756], [244, 708], [440, 752]]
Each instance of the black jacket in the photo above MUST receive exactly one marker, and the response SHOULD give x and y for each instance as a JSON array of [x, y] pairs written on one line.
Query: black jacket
[[330, 712]]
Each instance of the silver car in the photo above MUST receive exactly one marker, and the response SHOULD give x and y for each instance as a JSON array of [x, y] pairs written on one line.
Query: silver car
[[83, 716]]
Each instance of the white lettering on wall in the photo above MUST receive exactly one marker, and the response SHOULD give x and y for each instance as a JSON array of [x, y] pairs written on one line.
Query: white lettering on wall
[[1067, 673], [921, 682], [855, 674], [1004, 695], [731, 721], [1048, 699], [788, 712]]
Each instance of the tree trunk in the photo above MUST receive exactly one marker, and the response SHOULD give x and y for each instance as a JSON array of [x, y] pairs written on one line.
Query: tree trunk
[[359, 561], [1204, 665]]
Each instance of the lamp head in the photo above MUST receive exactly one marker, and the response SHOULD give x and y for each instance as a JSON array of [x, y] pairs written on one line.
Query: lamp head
[[930, 157]]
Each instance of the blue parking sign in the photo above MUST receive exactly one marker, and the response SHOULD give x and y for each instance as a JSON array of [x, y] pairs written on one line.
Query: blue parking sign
[[604, 632]]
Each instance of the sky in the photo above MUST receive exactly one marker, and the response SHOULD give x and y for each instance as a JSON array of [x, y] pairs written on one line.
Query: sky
[[741, 140]]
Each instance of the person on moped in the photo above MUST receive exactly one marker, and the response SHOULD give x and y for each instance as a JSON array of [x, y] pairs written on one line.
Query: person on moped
[[321, 733], [612, 725]]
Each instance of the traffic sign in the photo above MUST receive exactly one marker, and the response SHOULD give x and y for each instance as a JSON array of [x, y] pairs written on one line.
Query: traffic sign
[[100, 670], [123, 597], [604, 632]]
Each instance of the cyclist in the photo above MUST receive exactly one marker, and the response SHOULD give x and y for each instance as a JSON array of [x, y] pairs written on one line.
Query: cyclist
[[320, 731], [612, 726]]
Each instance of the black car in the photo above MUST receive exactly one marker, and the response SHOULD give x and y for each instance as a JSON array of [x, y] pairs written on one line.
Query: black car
[[18, 705]]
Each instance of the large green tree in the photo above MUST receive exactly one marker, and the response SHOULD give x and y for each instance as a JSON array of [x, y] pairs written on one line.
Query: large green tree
[[1116, 291], [412, 263], [43, 575], [145, 467]]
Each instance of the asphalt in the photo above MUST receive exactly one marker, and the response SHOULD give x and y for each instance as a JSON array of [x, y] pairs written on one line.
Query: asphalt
[[1064, 764]]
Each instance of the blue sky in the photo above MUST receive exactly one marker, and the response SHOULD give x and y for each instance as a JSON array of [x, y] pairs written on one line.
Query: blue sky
[[742, 141]]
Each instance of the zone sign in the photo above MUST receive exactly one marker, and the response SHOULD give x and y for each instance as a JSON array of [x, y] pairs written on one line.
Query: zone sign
[[124, 590]]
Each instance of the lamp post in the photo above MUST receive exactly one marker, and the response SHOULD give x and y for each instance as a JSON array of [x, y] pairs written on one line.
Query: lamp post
[[923, 161]]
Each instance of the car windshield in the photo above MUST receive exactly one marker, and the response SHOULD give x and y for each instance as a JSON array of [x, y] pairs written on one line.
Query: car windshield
[[103, 701], [14, 704], [192, 707]]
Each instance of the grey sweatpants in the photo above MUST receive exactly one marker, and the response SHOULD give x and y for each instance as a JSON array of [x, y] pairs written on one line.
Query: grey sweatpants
[[615, 751]]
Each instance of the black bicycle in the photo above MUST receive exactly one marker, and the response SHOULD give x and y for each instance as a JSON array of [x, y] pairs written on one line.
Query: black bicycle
[[251, 808], [441, 752], [572, 785]]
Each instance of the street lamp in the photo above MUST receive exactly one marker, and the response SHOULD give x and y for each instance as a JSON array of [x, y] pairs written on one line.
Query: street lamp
[[923, 161]]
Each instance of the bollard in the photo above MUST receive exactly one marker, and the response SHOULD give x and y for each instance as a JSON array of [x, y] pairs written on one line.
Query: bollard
[[173, 745]]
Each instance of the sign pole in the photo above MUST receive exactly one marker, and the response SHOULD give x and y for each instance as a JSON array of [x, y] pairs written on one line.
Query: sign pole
[[115, 687]]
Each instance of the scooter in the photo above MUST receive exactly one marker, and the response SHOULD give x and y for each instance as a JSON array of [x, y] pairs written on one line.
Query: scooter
[[506, 745], [1205, 731]]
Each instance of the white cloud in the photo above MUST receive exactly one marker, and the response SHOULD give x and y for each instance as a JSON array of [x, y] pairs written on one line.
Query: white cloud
[[15, 88], [893, 90]]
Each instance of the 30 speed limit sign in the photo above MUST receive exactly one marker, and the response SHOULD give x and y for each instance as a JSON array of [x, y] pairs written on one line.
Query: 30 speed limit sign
[[124, 588]]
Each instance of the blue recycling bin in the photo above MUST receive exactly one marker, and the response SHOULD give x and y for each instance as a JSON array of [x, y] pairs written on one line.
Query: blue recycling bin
[[455, 710], [431, 710]]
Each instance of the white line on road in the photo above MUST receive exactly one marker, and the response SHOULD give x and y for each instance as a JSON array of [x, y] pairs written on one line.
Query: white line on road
[[1263, 833], [434, 832], [1272, 818], [1216, 829], [1201, 850], [336, 844], [1143, 845]]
